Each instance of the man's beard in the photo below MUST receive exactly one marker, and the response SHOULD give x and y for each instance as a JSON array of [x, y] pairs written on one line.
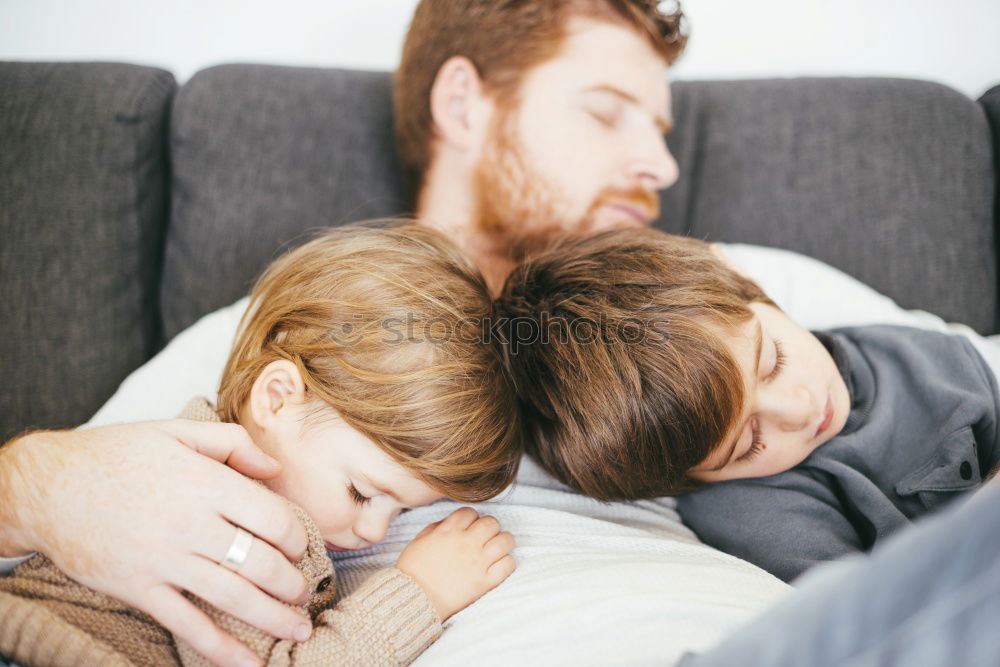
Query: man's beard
[[519, 211]]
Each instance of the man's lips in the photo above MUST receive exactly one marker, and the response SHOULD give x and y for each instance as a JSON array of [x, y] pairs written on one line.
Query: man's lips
[[827, 416], [639, 214]]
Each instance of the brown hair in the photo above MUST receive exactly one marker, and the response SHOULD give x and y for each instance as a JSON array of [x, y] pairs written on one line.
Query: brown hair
[[615, 343], [383, 323], [503, 39]]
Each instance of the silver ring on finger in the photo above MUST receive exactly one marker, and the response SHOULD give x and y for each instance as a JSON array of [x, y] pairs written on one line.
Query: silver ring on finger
[[239, 550]]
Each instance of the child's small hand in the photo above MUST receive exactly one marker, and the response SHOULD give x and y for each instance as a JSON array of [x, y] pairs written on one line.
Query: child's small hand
[[458, 559]]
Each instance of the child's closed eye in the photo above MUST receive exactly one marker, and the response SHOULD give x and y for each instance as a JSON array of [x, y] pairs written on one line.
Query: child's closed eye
[[756, 446], [779, 360], [356, 495]]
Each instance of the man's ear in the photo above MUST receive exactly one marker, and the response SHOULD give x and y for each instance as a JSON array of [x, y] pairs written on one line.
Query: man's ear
[[459, 106], [278, 394]]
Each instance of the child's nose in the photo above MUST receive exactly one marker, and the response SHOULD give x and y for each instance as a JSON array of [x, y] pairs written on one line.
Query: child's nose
[[791, 408], [371, 529]]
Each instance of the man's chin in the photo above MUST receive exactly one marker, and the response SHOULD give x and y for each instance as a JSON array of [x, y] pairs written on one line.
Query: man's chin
[[541, 239], [620, 224], [516, 239], [624, 217]]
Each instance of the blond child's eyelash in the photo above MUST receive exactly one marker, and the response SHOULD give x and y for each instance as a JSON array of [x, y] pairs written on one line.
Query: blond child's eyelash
[[356, 495], [779, 360]]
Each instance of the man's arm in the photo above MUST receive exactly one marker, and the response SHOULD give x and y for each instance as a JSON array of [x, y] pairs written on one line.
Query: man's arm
[[142, 512]]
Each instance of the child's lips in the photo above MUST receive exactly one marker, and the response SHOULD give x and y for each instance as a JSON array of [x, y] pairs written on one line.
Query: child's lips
[[827, 416], [334, 547]]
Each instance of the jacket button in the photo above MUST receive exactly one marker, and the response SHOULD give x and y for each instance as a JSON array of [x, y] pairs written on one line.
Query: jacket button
[[965, 470], [323, 584]]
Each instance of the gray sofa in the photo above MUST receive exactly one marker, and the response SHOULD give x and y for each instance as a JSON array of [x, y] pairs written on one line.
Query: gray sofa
[[129, 207]]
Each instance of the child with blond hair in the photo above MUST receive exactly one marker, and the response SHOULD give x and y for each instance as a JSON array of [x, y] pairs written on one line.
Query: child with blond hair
[[358, 366], [648, 366]]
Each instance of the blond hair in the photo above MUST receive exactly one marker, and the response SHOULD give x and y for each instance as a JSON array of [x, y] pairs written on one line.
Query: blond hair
[[383, 321], [617, 351]]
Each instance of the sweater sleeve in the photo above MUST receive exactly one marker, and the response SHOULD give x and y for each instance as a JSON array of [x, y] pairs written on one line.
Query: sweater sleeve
[[46, 618], [34, 634], [388, 621], [784, 529], [987, 428]]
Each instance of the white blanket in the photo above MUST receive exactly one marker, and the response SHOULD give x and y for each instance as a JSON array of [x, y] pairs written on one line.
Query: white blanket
[[618, 583], [596, 583]]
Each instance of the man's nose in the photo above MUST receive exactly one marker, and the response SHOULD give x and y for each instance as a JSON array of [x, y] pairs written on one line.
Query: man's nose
[[653, 166], [789, 408]]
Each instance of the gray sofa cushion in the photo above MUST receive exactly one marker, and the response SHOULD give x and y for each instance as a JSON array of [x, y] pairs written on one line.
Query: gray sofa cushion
[[262, 154], [990, 102], [890, 180], [83, 178]]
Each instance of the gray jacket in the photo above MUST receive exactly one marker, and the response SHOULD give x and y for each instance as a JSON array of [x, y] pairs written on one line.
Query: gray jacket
[[922, 430]]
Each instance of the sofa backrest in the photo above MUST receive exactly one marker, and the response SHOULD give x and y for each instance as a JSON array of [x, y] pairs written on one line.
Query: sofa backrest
[[990, 101], [83, 205], [261, 156], [892, 181], [889, 180]]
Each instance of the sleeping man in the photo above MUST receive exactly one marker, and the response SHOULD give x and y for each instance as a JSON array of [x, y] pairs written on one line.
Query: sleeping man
[[515, 122]]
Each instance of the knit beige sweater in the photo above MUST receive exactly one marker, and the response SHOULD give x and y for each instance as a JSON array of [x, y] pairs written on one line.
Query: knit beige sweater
[[46, 618]]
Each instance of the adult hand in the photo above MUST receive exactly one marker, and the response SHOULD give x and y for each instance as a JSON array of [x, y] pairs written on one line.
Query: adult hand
[[459, 559], [143, 511]]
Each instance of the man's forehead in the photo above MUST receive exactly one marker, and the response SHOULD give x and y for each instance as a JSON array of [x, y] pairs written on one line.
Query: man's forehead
[[596, 53]]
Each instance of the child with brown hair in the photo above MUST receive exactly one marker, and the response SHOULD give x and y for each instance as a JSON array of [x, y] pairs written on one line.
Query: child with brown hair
[[648, 366], [358, 367]]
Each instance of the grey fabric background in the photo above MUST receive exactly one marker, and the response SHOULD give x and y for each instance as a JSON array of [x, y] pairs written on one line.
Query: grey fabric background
[[990, 101], [889, 180], [892, 181], [82, 212], [261, 155]]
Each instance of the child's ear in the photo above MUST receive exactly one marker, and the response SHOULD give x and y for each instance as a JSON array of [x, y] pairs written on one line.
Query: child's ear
[[278, 394], [459, 106]]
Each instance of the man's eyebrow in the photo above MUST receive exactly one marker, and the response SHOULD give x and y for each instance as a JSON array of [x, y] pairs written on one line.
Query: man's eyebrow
[[665, 123], [759, 345]]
